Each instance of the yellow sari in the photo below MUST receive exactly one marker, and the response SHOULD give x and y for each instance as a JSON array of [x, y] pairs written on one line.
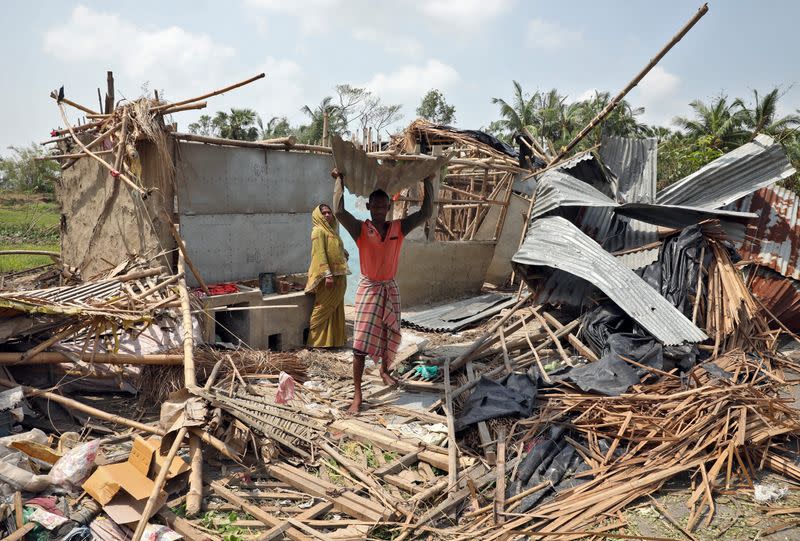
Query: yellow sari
[[327, 327]]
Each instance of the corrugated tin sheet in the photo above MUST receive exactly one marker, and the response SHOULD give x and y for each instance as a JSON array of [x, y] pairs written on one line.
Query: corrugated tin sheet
[[559, 189], [773, 238], [363, 174], [556, 243], [634, 164], [678, 217], [732, 176], [457, 315], [780, 295]]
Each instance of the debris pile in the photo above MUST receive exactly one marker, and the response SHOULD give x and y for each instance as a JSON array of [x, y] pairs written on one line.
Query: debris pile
[[641, 344]]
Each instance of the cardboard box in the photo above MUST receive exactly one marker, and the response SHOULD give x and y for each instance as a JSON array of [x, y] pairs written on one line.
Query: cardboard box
[[122, 489]]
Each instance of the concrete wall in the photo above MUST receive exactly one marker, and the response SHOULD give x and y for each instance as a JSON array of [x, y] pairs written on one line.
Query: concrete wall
[[245, 211], [103, 223], [499, 270], [432, 271]]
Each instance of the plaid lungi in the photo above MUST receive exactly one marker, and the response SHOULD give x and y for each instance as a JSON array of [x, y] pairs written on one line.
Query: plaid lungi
[[376, 330]]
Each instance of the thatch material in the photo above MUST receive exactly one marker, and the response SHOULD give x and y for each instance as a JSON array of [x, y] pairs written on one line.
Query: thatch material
[[156, 383]]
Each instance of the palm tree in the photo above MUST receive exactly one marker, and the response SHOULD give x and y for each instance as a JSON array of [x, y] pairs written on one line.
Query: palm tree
[[337, 122], [719, 121], [238, 124], [276, 127], [519, 114], [763, 116]]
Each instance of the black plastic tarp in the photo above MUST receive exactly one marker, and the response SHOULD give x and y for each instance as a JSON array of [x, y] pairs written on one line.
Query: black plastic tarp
[[511, 396]]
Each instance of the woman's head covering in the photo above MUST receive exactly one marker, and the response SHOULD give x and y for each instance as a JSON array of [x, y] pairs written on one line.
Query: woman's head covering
[[319, 220]]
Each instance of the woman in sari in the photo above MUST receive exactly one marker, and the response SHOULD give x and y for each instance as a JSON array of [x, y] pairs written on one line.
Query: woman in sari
[[327, 279]]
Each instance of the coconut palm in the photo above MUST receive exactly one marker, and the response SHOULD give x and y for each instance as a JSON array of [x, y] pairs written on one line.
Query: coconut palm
[[518, 114], [238, 124], [763, 116], [719, 120], [337, 123], [277, 126]]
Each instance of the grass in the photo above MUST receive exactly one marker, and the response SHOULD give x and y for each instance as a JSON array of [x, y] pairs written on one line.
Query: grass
[[27, 222]]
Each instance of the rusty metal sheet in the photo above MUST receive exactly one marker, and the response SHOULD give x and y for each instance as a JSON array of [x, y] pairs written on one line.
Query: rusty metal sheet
[[772, 239], [780, 295], [364, 174]]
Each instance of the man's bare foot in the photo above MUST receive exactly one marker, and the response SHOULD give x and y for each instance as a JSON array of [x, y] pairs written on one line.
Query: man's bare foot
[[355, 405], [388, 380]]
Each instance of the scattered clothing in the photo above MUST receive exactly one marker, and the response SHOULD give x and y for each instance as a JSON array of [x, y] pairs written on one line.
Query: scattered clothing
[[286, 385]]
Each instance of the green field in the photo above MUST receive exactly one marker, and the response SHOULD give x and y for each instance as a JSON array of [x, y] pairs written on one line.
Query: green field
[[27, 222]]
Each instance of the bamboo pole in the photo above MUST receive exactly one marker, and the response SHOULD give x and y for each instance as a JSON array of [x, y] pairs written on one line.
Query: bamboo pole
[[121, 175], [158, 485], [52, 255], [194, 498], [189, 107], [210, 94], [56, 357], [635, 81], [74, 404], [78, 106]]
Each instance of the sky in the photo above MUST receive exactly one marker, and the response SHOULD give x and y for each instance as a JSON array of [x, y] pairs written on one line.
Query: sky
[[471, 50]]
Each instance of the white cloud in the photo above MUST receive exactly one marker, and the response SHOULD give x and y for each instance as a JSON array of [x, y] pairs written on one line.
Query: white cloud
[[313, 15], [657, 93], [548, 35], [409, 83], [170, 57], [462, 15], [398, 44]]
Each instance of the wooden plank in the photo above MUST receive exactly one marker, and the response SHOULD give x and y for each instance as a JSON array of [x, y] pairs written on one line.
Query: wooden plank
[[500, 486], [364, 433], [18, 517], [404, 461], [277, 532], [404, 484], [452, 445], [255, 511], [347, 502]]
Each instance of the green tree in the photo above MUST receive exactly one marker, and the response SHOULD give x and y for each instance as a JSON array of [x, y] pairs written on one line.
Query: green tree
[[276, 127], [25, 173], [720, 120], [203, 126], [516, 115], [239, 124], [435, 108], [337, 123], [762, 116]]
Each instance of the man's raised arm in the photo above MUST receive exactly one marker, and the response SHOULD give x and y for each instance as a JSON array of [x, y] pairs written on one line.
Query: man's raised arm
[[418, 218], [350, 222]]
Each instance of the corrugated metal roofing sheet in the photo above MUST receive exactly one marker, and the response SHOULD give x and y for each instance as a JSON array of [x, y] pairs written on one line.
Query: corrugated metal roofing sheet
[[457, 315], [731, 176], [634, 164], [556, 243], [772, 239], [559, 189], [780, 295], [677, 216]]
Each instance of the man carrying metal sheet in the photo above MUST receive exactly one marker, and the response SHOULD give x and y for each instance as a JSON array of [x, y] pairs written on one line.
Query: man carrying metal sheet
[[376, 330]]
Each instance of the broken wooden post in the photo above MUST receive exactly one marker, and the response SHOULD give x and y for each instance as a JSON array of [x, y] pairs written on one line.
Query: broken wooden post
[[110, 98]]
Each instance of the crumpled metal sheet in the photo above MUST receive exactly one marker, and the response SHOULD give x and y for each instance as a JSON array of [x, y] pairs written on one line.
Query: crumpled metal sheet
[[633, 163], [460, 314], [364, 174], [678, 216], [559, 189], [742, 171], [773, 238], [779, 294], [554, 242]]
